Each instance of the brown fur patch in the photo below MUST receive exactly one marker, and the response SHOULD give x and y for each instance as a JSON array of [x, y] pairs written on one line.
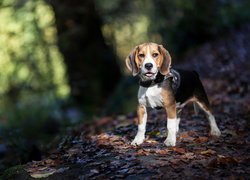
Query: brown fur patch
[[140, 113], [166, 60], [168, 100]]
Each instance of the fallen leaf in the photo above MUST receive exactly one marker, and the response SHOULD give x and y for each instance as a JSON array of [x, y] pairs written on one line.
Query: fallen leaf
[[179, 150], [208, 152], [162, 151], [143, 152], [94, 171], [221, 161], [201, 139], [151, 141], [188, 155], [230, 132], [175, 161], [61, 170], [226, 160], [103, 121], [211, 162], [184, 135], [43, 174], [123, 171], [154, 133]]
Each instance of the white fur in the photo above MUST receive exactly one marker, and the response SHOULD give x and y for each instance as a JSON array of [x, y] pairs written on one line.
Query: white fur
[[180, 106], [177, 124], [151, 96], [148, 59], [140, 136], [214, 128], [172, 127]]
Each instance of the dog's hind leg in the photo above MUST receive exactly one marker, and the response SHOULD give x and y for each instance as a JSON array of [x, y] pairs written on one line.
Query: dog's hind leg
[[214, 131], [196, 108], [178, 119], [203, 102]]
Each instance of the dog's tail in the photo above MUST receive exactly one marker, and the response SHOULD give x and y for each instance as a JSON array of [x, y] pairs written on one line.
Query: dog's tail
[[196, 108]]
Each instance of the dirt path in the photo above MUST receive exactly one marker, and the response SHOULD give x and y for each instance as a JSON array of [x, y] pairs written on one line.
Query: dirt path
[[102, 150]]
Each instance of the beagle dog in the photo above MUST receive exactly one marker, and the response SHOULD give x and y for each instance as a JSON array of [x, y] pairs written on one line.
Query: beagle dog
[[163, 87]]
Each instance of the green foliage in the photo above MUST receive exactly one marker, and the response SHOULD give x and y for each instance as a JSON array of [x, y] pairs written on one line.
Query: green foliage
[[30, 63], [125, 24], [29, 58], [177, 24], [183, 24], [32, 72]]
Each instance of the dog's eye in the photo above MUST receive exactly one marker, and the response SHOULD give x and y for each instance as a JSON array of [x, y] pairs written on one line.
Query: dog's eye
[[155, 55], [141, 55]]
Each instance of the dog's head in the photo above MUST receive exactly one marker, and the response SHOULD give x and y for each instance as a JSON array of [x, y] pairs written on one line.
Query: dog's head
[[147, 59]]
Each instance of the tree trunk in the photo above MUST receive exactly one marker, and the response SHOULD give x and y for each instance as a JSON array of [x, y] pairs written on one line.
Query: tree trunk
[[91, 65]]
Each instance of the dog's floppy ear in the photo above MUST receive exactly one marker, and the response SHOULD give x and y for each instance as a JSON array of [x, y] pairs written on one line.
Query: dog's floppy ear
[[166, 60], [131, 63]]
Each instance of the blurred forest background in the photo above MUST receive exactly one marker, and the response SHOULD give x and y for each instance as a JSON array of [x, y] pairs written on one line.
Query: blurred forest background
[[61, 61]]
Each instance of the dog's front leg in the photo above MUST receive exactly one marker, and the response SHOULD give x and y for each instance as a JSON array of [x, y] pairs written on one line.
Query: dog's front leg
[[171, 125], [142, 120]]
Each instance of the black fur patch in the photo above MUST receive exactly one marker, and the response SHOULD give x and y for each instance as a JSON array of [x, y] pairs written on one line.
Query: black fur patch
[[190, 86]]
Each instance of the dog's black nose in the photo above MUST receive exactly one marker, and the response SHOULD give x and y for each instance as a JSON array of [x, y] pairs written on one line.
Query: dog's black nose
[[148, 66]]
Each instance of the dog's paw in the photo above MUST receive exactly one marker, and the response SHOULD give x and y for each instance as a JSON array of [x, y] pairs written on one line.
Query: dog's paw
[[215, 132], [138, 140], [170, 142]]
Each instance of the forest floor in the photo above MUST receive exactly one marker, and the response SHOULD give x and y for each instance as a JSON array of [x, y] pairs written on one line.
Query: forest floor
[[102, 150]]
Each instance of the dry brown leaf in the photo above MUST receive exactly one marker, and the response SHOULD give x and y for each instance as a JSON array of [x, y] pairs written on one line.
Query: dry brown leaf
[[151, 141], [50, 162], [201, 139], [188, 155], [184, 135], [175, 161], [104, 121], [179, 150], [143, 152], [208, 152], [162, 152], [227, 160]]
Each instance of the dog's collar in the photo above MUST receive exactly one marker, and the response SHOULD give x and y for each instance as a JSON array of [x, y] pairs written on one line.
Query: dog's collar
[[173, 74], [158, 79]]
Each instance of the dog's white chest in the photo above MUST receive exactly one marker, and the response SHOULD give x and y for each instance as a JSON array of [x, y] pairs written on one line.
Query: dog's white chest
[[151, 96]]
